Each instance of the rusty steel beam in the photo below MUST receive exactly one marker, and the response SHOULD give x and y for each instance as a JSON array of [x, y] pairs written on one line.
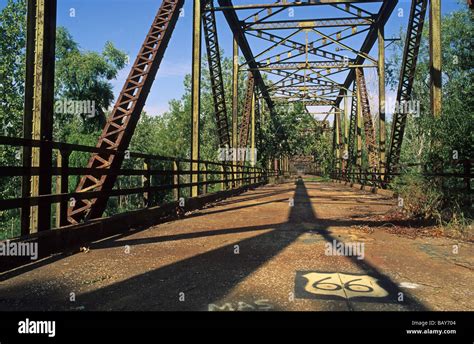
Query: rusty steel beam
[[286, 4], [122, 122], [252, 131], [235, 26], [305, 95], [372, 36], [326, 40], [381, 81], [247, 115], [345, 117], [369, 129], [436, 83], [258, 124], [196, 99], [359, 131], [294, 79], [352, 129], [39, 109], [308, 24], [294, 45], [235, 104], [407, 76], [312, 102], [215, 72], [338, 147], [352, 9], [301, 65]]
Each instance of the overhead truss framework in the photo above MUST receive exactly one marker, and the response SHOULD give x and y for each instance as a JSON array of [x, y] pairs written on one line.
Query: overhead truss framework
[[313, 56], [306, 44], [303, 57]]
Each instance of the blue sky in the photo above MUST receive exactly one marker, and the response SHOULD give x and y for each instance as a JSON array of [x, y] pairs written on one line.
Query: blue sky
[[126, 22]]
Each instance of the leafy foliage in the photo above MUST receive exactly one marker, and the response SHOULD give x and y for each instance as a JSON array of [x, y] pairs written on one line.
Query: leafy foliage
[[420, 198], [85, 76], [433, 142], [80, 75], [428, 139]]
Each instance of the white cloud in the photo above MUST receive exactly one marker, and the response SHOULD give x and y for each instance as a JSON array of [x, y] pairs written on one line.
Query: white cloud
[[156, 109], [174, 69]]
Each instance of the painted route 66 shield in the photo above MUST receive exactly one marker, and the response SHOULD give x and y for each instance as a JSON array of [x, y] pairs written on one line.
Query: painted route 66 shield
[[335, 285]]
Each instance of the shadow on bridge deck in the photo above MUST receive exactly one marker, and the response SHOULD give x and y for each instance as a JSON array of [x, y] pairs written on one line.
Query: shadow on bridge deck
[[249, 267]]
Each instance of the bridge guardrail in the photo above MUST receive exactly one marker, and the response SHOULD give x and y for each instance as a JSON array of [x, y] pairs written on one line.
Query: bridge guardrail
[[459, 170], [159, 180]]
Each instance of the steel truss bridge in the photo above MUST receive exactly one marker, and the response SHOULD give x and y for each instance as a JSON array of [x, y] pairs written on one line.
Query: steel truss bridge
[[290, 54]]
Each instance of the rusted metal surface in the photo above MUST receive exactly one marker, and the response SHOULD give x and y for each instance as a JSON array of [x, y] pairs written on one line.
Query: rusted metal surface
[[121, 123], [369, 129], [215, 72], [436, 55], [196, 97], [352, 129], [247, 113], [39, 109], [382, 17], [407, 75]]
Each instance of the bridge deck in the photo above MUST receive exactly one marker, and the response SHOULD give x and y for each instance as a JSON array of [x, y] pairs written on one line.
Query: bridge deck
[[256, 252]]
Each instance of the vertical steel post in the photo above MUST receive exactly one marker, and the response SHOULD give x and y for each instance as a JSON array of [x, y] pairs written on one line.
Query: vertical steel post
[[381, 72], [359, 130], [39, 108], [235, 105], [204, 179], [223, 178], [337, 128], [62, 187], [58, 188], [347, 112], [215, 72], [252, 135], [176, 190], [28, 114], [435, 57], [195, 97], [146, 182]]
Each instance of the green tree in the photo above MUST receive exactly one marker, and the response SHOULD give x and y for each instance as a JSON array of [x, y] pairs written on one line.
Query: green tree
[[80, 75], [85, 76], [432, 141], [453, 130]]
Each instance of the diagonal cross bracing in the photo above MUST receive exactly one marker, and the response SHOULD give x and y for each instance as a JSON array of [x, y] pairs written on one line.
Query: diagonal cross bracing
[[215, 72], [368, 123], [407, 75], [122, 122]]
